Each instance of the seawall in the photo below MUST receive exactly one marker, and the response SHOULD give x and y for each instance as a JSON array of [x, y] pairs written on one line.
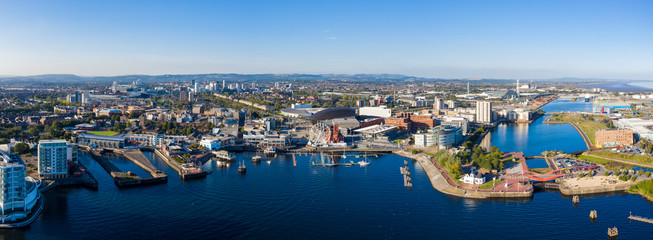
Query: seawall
[[441, 183], [566, 190]]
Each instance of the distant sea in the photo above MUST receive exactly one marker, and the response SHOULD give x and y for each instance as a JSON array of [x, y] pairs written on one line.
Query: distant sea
[[624, 86]]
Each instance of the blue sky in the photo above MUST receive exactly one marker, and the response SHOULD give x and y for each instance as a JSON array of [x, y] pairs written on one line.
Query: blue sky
[[448, 39]]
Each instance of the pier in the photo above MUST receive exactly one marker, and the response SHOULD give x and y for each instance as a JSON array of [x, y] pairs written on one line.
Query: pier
[[137, 157], [184, 173], [641, 219], [122, 179]]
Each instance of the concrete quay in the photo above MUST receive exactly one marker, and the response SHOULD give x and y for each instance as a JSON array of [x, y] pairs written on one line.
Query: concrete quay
[[122, 179], [443, 183], [183, 173], [572, 190]]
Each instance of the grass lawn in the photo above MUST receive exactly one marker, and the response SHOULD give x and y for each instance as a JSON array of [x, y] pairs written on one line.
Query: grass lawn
[[589, 126], [636, 158], [490, 184], [103, 133]]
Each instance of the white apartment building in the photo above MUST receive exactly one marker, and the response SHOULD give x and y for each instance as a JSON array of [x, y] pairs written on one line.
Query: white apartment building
[[483, 112], [54, 156]]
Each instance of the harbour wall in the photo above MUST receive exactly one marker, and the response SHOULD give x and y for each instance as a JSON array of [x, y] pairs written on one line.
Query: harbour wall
[[444, 184]]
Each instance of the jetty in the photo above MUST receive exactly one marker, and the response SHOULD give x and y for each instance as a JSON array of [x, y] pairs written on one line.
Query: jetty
[[405, 170], [184, 172], [641, 219], [128, 179], [137, 157]]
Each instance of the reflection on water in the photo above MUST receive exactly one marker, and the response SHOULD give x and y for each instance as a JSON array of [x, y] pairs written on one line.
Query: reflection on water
[[281, 201], [535, 138], [565, 105]]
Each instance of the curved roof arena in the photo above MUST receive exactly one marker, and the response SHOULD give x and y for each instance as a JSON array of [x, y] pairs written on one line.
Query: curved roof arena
[[331, 113]]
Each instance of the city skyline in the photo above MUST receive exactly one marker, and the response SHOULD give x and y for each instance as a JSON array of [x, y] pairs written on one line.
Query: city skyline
[[427, 39]]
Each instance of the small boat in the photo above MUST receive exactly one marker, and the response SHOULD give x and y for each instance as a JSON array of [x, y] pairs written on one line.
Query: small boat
[[613, 232], [242, 168], [224, 155], [270, 151], [363, 163], [256, 159], [269, 162], [331, 164]]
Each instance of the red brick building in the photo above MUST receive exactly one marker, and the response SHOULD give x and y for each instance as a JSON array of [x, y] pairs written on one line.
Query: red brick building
[[613, 137]]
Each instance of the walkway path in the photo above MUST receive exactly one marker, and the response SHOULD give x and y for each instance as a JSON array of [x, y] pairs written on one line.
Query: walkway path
[[626, 161]]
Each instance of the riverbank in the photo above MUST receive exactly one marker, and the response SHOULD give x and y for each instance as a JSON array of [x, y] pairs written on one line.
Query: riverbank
[[583, 135], [441, 181]]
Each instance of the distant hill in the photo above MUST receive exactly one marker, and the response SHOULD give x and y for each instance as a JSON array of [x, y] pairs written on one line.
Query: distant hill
[[233, 77]]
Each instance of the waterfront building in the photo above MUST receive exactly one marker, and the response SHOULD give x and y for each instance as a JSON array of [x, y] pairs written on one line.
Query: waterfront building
[[19, 194], [145, 139], [483, 112], [444, 137], [100, 141], [53, 158], [210, 144], [613, 137], [476, 179], [426, 140]]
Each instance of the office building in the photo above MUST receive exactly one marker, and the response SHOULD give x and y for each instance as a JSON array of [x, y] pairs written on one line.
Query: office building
[[613, 137]]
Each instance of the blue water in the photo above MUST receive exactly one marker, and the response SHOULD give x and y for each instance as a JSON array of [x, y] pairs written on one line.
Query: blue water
[[565, 105], [279, 201], [535, 138], [536, 163], [126, 165]]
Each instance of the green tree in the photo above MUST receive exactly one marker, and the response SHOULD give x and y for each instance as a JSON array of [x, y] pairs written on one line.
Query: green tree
[[21, 148]]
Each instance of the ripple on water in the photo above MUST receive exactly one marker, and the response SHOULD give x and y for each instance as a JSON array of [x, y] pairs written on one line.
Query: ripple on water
[[308, 202]]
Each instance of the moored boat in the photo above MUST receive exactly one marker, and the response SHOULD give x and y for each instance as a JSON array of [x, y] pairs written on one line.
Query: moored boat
[[270, 151], [224, 155]]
